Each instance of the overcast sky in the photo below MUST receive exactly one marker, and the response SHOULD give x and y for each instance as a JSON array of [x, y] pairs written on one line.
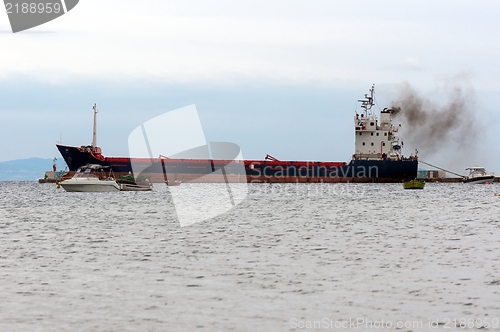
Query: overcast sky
[[277, 77]]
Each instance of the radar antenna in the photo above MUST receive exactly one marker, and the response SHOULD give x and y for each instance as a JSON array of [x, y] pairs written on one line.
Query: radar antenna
[[367, 103]]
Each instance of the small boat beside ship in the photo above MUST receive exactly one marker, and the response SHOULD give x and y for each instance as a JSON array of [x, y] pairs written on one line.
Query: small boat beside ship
[[91, 178], [129, 183], [136, 187], [478, 175], [414, 184], [98, 178]]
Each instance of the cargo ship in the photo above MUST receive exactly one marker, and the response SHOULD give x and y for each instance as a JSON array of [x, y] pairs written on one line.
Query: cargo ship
[[378, 158]]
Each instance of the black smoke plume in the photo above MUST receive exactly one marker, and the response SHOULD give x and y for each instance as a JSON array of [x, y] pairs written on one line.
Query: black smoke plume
[[431, 127]]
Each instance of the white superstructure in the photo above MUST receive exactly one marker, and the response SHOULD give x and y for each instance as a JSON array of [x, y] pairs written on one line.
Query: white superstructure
[[375, 140]]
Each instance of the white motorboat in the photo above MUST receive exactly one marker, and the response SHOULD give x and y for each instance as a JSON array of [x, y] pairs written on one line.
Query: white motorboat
[[478, 175], [91, 178]]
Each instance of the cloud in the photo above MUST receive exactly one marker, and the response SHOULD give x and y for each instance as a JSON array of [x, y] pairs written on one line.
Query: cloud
[[287, 42]]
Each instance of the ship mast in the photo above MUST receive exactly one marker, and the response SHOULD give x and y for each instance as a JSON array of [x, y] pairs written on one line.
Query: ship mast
[[94, 144], [367, 103]]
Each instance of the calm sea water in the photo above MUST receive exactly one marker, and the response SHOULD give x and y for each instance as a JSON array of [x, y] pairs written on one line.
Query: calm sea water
[[289, 257]]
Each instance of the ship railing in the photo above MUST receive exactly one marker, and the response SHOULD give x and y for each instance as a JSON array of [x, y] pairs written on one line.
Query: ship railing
[[373, 156]]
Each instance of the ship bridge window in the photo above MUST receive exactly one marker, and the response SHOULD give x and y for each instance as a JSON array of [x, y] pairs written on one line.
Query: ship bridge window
[[372, 124]]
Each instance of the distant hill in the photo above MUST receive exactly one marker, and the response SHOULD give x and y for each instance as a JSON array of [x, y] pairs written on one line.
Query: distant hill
[[27, 169]]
